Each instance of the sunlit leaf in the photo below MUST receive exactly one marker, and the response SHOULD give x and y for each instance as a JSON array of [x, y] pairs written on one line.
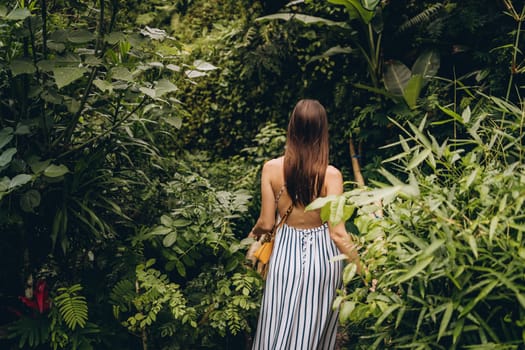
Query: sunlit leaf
[[19, 180], [66, 75], [21, 66], [447, 315], [412, 90], [420, 265], [53, 170], [203, 65], [7, 156]]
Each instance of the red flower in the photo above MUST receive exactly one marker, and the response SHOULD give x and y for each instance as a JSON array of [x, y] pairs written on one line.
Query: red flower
[[40, 301]]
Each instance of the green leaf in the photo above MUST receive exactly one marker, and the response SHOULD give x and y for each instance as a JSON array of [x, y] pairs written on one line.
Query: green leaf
[[18, 14], [458, 329], [412, 90], [432, 248], [19, 180], [337, 211], [194, 73], [80, 36], [147, 91], [163, 87], [114, 37], [320, 202], [452, 114], [418, 158], [349, 273], [66, 75], [173, 121], [170, 239], [103, 85], [30, 200], [346, 310], [180, 268], [484, 292], [55, 170], [7, 156], [465, 115], [6, 135], [22, 66], [306, 19], [386, 313], [473, 244], [72, 307], [396, 77], [38, 166], [203, 65], [420, 265], [446, 319], [334, 50], [356, 10], [426, 65], [121, 73]]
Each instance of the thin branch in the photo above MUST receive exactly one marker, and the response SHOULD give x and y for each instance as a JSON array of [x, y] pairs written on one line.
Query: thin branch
[[108, 131], [68, 133]]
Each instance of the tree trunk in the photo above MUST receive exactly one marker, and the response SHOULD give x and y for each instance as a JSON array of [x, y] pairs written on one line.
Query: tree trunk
[[356, 167]]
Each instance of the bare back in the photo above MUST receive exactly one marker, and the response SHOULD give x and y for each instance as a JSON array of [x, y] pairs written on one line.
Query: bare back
[[299, 217]]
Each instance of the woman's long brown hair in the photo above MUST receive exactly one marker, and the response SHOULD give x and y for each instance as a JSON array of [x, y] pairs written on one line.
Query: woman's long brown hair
[[306, 154]]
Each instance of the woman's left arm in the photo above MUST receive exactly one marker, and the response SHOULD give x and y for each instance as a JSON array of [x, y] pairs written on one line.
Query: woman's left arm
[[266, 219]]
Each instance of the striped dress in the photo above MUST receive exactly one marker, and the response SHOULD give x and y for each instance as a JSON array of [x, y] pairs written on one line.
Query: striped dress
[[296, 311]]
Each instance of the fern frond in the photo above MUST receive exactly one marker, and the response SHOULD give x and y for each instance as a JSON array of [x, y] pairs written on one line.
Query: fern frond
[[72, 307], [30, 331], [123, 294], [425, 16]]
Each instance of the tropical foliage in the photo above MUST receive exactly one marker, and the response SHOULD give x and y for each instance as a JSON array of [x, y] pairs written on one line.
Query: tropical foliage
[[132, 136]]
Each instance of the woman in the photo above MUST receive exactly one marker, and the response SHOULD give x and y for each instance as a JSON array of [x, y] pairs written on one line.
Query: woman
[[296, 310]]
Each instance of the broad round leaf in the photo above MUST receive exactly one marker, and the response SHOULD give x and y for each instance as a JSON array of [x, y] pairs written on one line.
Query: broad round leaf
[[22, 67], [55, 170], [6, 156], [30, 200], [19, 180]]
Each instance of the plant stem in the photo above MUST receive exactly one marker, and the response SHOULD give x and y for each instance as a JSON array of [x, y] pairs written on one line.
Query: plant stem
[[68, 133]]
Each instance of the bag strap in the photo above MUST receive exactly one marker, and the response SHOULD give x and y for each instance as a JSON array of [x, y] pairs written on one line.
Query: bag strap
[[282, 220], [279, 194]]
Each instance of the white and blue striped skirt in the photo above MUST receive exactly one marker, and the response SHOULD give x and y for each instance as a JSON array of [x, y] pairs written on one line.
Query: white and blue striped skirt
[[296, 309]]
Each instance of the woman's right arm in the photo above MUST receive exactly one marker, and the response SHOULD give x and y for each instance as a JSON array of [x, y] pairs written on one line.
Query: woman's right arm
[[342, 240]]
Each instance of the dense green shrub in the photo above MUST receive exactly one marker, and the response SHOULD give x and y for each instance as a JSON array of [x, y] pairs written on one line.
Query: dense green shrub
[[445, 267]]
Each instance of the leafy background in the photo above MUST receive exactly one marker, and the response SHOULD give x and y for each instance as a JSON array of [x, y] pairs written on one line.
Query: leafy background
[[132, 136]]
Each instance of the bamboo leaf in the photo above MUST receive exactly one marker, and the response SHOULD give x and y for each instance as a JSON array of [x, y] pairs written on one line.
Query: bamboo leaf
[[418, 158], [484, 292], [446, 319], [386, 313], [420, 265]]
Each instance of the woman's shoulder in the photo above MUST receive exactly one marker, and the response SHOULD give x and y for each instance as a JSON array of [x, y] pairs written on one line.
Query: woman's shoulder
[[274, 163], [333, 173]]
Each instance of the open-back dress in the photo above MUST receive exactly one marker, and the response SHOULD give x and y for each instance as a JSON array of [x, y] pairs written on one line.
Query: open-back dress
[[296, 310]]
